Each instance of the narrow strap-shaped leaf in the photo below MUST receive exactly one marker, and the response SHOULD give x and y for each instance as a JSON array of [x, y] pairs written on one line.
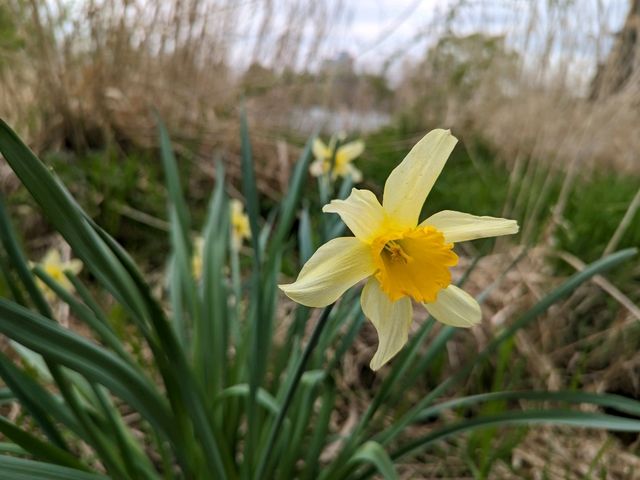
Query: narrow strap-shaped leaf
[[12, 468], [211, 335], [290, 391], [39, 449], [134, 457], [67, 217], [292, 198], [115, 270], [85, 314], [249, 186], [319, 432], [401, 366], [373, 453], [172, 178], [39, 401], [539, 308], [528, 417], [181, 386], [16, 255], [260, 324], [617, 402], [75, 352]]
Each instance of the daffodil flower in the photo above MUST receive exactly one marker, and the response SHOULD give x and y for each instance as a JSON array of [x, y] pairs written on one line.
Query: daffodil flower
[[343, 165], [197, 258], [402, 258], [240, 229], [53, 266]]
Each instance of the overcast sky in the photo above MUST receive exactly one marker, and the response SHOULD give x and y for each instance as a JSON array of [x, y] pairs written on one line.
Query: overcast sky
[[376, 30]]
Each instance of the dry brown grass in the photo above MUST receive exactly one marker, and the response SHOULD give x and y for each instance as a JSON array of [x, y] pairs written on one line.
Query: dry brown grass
[[90, 73], [534, 90]]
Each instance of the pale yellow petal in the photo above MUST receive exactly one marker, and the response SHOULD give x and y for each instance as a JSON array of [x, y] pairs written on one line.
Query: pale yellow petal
[[361, 212], [455, 307], [320, 150], [74, 266], [52, 257], [318, 168], [460, 227], [351, 150], [356, 175], [236, 206], [337, 265], [391, 320], [410, 182]]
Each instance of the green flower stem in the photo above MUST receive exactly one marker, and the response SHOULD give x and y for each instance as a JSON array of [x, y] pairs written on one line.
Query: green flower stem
[[291, 390]]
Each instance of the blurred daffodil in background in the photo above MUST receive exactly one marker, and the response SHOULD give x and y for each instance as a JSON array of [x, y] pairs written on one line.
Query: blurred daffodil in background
[[54, 266], [240, 229], [344, 156], [197, 259], [404, 259]]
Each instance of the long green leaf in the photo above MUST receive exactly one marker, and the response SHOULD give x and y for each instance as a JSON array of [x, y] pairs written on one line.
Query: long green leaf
[[66, 216], [87, 315], [291, 200], [172, 177], [39, 402], [211, 334], [21, 469], [290, 391], [554, 296], [528, 417], [96, 364], [622, 404], [39, 449], [261, 325], [373, 453]]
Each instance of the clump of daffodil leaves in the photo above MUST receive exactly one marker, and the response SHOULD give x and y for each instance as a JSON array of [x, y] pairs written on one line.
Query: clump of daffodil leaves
[[402, 258], [197, 385]]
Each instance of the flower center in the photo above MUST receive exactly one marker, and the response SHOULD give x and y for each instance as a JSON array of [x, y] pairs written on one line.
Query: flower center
[[413, 262], [55, 272], [396, 253]]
